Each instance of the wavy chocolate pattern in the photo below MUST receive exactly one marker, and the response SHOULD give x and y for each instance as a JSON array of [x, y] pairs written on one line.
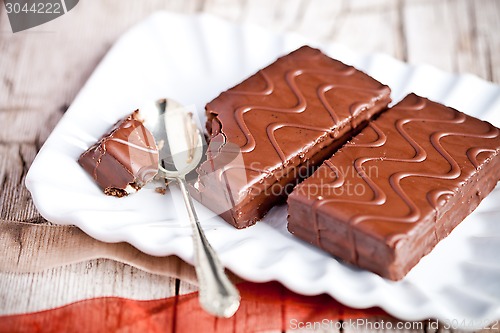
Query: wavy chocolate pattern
[[400, 117], [437, 198], [291, 76], [290, 79], [281, 116], [434, 166], [268, 89], [473, 153], [381, 137]]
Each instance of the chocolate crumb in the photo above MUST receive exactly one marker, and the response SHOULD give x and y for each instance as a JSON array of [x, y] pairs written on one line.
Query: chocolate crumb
[[161, 190], [115, 192]]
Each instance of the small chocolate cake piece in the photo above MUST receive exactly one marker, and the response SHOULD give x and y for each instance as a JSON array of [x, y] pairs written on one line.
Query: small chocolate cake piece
[[272, 129], [124, 159], [386, 198]]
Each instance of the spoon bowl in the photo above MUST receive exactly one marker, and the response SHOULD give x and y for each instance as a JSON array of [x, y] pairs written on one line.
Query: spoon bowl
[[180, 146]]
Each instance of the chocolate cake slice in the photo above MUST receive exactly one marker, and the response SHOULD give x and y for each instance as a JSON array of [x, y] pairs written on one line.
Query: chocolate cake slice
[[124, 159], [386, 198], [272, 129]]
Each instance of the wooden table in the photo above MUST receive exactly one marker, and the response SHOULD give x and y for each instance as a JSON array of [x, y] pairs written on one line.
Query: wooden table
[[42, 70]]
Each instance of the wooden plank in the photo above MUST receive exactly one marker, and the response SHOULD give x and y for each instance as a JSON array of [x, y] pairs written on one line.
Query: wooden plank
[[47, 65], [187, 287], [37, 249], [15, 200], [287, 17], [319, 18], [229, 9], [469, 56], [27, 247], [429, 34], [31, 126], [370, 5], [361, 28], [456, 36], [30, 292], [273, 15], [33, 256], [486, 14], [260, 12]]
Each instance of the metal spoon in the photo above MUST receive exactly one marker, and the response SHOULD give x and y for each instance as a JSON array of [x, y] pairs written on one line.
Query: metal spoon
[[181, 148]]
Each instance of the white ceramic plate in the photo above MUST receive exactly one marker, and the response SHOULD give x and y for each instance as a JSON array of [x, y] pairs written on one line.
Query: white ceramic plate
[[193, 59]]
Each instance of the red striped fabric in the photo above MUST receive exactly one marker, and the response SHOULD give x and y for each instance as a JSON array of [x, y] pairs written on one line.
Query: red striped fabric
[[264, 307]]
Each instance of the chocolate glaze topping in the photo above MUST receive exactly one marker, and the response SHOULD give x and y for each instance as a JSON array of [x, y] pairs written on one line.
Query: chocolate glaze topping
[[387, 197], [287, 117], [124, 159]]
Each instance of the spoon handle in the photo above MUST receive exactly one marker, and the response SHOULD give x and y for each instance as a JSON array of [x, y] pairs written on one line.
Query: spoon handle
[[218, 295]]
